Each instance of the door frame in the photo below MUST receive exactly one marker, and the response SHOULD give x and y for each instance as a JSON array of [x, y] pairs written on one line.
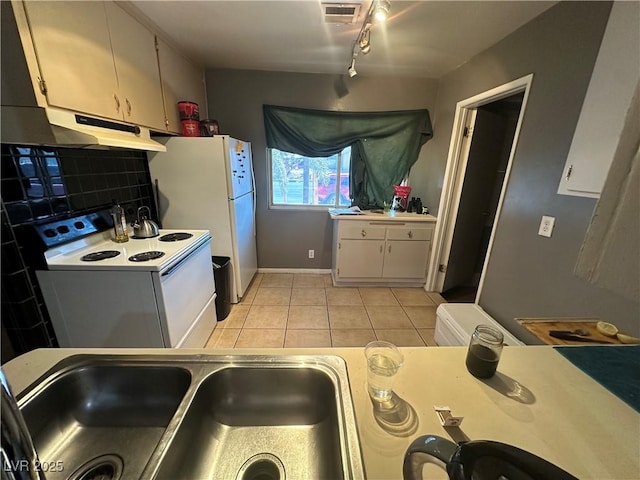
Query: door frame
[[454, 178]]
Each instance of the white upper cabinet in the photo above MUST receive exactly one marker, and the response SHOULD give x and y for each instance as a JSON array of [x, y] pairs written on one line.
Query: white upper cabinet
[[181, 81], [134, 55], [73, 50], [95, 58], [608, 97]]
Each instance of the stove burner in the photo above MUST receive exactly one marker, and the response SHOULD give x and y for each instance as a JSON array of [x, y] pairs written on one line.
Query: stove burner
[[146, 256], [175, 237], [97, 256]]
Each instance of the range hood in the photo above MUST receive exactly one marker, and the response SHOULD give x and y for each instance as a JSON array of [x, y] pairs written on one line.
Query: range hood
[[59, 127]]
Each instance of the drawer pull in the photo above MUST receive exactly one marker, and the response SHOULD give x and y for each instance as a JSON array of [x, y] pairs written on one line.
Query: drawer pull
[[363, 233], [410, 234]]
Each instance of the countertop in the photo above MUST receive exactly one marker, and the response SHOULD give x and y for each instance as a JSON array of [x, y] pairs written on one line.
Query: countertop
[[369, 216], [537, 401]]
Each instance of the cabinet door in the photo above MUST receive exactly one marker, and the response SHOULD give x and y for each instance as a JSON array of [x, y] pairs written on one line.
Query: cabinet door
[[72, 44], [181, 81], [604, 108], [405, 259], [360, 258], [134, 55]]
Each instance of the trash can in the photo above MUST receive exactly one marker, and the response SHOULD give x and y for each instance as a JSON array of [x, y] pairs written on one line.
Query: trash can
[[222, 277]]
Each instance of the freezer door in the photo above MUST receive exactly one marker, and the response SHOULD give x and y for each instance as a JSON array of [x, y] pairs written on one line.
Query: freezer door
[[241, 173], [245, 259]]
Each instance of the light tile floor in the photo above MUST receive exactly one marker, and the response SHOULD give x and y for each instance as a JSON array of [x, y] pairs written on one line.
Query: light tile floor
[[304, 310]]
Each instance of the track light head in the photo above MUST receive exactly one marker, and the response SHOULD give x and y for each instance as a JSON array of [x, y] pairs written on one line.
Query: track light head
[[352, 68], [364, 41], [381, 10]]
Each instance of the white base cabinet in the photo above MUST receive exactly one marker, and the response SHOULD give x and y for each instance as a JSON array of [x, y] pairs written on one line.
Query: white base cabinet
[[393, 251]]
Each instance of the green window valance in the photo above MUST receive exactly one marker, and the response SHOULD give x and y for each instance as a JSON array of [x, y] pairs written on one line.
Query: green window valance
[[384, 145]]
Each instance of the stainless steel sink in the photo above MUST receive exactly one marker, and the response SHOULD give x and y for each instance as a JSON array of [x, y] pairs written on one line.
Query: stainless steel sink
[[196, 417], [106, 417]]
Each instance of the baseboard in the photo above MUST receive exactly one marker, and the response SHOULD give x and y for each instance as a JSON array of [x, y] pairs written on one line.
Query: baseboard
[[320, 271]]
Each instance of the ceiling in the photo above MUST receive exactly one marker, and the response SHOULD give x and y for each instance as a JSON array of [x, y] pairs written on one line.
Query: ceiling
[[420, 39]]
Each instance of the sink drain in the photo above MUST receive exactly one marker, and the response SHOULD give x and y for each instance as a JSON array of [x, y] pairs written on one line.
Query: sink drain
[[104, 467], [263, 466]]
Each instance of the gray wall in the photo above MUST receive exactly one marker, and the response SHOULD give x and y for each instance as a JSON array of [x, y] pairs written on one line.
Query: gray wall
[[529, 275], [235, 99]]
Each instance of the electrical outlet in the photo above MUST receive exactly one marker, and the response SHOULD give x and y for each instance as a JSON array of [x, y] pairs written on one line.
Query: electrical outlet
[[312, 254], [546, 226]]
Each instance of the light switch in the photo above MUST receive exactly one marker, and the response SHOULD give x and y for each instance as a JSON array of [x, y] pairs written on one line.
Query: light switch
[[546, 226]]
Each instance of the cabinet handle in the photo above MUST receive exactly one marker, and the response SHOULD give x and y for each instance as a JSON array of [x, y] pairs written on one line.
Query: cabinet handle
[[380, 248], [115, 97], [363, 233], [410, 234], [128, 107], [389, 248]]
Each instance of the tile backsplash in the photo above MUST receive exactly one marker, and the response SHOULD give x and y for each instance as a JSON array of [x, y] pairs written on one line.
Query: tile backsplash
[[43, 184]]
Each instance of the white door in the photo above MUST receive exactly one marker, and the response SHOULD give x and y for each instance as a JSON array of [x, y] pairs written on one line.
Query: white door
[[469, 125], [183, 292], [454, 176], [137, 69], [245, 258], [77, 66], [241, 175], [360, 258], [405, 259], [475, 209]]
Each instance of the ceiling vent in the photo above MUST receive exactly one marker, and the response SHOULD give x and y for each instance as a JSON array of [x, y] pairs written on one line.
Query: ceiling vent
[[341, 12]]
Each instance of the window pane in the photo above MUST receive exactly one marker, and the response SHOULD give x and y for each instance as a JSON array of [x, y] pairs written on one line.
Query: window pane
[[298, 180]]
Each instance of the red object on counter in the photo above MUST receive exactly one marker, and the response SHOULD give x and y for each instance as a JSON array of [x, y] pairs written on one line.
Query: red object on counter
[[190, 128], [189, 111]]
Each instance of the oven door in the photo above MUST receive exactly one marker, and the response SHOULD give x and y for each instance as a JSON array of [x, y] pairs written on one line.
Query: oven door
[[185, 293]]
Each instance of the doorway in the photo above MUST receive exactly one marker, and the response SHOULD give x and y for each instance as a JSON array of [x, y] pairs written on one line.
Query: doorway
[[483, 144]]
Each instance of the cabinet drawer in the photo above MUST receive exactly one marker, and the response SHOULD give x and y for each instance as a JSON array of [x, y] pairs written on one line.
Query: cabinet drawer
[[362, 231], [409, 233]]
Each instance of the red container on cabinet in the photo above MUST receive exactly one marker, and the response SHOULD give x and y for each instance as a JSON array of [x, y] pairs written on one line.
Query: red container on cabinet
[[189, 111], [190, 128]]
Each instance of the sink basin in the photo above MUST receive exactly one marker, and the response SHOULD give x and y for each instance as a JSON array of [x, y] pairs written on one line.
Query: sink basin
[[279, 420], [103, 417], [195, 417]]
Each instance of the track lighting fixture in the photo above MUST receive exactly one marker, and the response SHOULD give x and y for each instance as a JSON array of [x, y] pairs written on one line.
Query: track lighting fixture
[[379, 11]]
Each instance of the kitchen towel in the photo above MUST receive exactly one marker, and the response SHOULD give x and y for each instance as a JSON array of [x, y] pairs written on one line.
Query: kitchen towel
[[613, 367]]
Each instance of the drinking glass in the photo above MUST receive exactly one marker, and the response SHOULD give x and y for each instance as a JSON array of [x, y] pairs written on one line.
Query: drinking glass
[[384, 360]]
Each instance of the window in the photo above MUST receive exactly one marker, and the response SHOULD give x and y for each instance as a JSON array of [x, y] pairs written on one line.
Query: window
[[308, 181]]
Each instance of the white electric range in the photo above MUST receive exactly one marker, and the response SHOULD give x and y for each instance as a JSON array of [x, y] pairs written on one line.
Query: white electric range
[[153, 292]]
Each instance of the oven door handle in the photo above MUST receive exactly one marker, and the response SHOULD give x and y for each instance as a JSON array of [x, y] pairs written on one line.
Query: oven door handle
[[174, 267]]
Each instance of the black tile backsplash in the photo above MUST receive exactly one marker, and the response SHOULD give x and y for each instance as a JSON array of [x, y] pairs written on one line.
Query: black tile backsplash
[[41, 185]]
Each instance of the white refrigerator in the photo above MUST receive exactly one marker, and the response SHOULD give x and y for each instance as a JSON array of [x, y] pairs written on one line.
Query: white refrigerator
[[207, 183]]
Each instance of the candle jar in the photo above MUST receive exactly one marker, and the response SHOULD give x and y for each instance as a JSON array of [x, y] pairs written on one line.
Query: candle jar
[[484, 351]]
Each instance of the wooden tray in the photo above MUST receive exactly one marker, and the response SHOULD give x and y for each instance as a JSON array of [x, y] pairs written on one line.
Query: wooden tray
[[540, 328]]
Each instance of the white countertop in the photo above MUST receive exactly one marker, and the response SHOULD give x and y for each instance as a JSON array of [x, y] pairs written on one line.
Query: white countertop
[[538, 401], [369, 216]]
